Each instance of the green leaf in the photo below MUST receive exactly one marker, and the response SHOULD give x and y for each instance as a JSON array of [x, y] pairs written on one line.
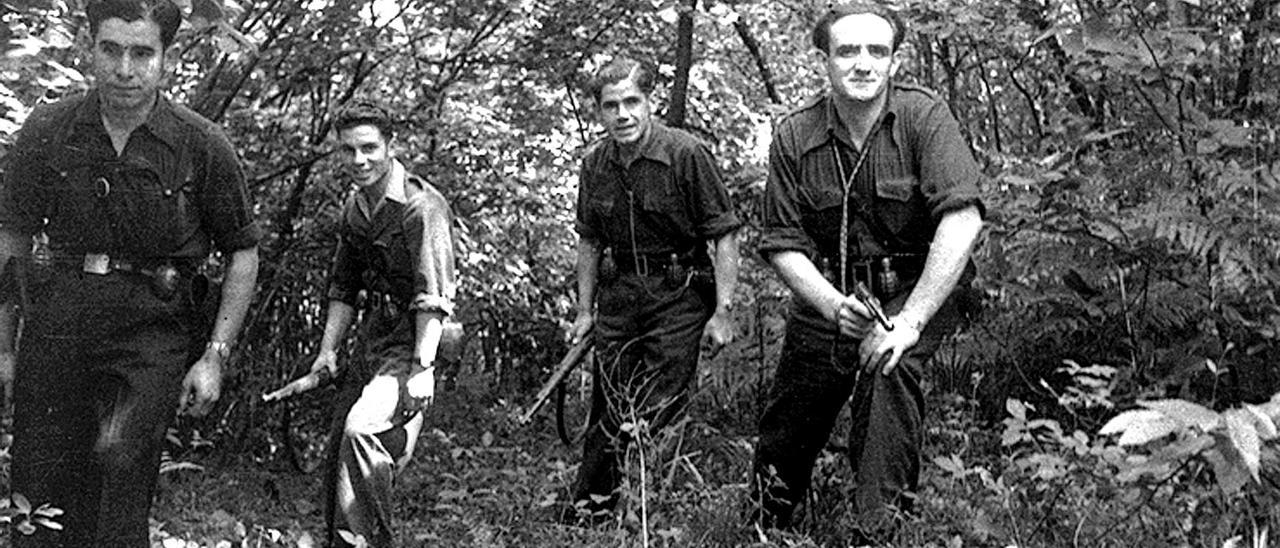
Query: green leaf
[[951, 464], [1140, 426], [1266, 426], [1016, 408], [1244, 437], [1230, 473], [1185, 412], [21, 503]]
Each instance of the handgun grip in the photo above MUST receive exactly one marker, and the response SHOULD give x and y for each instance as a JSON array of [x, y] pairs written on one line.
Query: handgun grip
[[868, 300]]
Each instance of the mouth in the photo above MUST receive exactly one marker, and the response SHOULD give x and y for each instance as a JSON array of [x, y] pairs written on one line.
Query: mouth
[[124, 90]]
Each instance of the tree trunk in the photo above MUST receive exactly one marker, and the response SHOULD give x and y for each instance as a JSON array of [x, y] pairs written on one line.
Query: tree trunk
[[753, 48], [1032, 12], [1258, 11], [684, 61]]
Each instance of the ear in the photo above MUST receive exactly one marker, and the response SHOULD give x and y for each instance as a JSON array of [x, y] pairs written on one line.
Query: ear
[[171, 57], [899, 57]]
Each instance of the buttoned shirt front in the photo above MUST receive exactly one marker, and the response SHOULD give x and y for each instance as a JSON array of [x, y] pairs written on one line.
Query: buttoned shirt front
[[670, 199], [399, 244], [918, 168], [176, 186]]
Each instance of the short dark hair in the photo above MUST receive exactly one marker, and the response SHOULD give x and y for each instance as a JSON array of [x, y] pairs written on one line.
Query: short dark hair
[[822, 30], [644, 74], [364, 112], [164, 13]]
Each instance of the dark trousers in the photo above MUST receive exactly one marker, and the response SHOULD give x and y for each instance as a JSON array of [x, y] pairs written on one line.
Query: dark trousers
[[363, 456], [815, 377], [99, 372], [648, 332]]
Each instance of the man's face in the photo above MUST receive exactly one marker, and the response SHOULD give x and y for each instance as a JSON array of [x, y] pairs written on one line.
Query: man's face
[[129, 63], [365, 153], [625, 111], [860, 59]]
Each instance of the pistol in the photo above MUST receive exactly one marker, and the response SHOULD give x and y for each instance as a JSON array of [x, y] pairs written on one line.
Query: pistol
[[868, 300]]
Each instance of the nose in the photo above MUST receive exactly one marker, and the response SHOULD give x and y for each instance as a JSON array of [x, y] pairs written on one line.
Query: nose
[[124, 67]]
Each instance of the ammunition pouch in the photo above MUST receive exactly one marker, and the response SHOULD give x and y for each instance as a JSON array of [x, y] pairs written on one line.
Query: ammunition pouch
[[675, 267], [886, 275]]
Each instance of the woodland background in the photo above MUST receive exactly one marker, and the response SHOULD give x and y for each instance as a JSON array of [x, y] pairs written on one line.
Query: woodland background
[[1129, 263]]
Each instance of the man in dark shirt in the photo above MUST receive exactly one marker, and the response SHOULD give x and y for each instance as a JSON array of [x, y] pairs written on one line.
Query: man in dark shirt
[[110, 202], [395, 245], [872, 184], [657, 266]]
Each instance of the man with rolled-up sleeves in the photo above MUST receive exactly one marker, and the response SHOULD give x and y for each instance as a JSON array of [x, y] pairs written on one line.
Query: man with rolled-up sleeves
[[396, 248], [657, 266], [111, 202], [870, 184]]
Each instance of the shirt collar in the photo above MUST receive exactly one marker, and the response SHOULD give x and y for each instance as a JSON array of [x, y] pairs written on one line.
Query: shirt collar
[[652, 147], [830, 121], [162, 121], [396, 178]]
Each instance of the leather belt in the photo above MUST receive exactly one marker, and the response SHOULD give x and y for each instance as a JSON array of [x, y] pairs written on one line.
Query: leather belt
[[648, 265], [104, 263]]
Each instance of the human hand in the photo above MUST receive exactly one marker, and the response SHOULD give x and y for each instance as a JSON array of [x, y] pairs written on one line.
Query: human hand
[[883, 349], [581, 327], [422, 385], [202, 386], [326, 360], [853, 318], [7, 372], [719, 331]]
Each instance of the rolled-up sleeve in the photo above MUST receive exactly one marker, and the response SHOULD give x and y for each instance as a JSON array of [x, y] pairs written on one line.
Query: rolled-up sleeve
[[224, 198], [430, 224], [781, 229], [713, 210], [581, 223], [949, 175]]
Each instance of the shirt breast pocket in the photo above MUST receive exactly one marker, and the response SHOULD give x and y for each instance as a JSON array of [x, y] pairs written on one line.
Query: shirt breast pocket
[[901, 206], [146, 211], [68, 198], [665, 205]]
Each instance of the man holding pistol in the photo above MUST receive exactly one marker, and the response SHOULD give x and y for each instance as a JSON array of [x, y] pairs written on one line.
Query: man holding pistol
[[870, 184], [110, 202]]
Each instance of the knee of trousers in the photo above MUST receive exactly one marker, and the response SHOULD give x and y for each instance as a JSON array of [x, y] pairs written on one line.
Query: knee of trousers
[[114, 452]]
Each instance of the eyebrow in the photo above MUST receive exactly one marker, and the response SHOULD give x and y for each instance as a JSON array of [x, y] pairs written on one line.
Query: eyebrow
[[135, 47]]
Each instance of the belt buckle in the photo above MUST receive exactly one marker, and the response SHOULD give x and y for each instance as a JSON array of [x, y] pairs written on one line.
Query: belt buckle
[[97, 263], [642, 265]]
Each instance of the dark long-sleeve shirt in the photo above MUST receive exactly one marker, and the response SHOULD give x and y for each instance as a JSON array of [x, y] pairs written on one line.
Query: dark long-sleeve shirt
[[672, 197], [917, 169], [400, 245]]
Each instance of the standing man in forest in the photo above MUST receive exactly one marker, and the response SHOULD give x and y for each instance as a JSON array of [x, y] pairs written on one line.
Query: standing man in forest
[[110, 202], [396, 245], [869, 184], [657, 266]]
